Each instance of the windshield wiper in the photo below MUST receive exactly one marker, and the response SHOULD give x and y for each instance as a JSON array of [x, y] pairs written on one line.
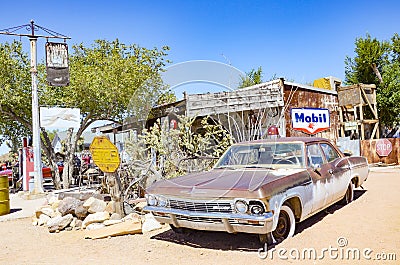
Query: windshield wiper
[[258, 166], [226, 167]]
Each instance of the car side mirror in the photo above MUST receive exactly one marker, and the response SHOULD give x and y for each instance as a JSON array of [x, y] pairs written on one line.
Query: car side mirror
[[316, 167], [347, 153]]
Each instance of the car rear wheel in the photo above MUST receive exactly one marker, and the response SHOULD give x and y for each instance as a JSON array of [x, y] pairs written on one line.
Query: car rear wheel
[[349, 196], [284, 229]]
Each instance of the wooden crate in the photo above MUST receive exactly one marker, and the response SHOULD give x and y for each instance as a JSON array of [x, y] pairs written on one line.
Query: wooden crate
[[353, 95]]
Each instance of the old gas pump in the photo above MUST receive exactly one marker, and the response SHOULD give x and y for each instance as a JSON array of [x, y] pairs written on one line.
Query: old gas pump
[[27, 163]]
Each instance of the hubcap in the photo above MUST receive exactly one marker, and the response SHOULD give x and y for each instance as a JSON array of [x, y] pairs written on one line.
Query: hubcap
[[283, 227]]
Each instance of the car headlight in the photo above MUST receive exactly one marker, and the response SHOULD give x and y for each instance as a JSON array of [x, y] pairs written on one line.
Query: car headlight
[[256, 209], [241, 206], [162, 201], [151, 200]]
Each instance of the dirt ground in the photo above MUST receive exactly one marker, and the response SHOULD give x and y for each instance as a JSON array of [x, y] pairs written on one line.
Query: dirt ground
[[369, 226]]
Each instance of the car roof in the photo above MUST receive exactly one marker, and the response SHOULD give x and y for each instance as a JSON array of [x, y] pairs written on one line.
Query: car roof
[[287, 139]]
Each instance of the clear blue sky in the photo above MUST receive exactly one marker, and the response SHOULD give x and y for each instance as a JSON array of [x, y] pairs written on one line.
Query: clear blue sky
[[297, 40]]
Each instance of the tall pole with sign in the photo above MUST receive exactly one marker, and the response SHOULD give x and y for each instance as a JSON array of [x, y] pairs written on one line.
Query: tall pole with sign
[[37, 158], [37, 173]]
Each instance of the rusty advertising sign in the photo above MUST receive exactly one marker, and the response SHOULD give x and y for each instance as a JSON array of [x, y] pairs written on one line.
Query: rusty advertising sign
[[57, 64], [105, 154]]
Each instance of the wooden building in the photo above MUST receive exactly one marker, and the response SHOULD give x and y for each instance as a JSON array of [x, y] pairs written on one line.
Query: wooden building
[[248, 113]]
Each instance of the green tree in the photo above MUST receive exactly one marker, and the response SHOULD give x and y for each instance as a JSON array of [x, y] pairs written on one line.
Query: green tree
[[15, 94], [104, 80], [377, 62], [251, 78]]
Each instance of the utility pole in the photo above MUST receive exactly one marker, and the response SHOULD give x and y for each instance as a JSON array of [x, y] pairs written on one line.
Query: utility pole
[[37, 158]]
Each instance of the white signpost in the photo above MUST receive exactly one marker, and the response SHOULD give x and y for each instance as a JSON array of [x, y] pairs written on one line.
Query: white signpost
[[310, 120]]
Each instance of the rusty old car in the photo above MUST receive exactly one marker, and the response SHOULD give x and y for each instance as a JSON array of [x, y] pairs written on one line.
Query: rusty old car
[[261, 187]]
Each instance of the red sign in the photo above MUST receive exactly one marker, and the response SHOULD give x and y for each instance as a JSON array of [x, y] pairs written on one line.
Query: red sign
[[383, 147]]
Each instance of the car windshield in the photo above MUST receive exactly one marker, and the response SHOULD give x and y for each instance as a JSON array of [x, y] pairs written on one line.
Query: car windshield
[[263, 155]]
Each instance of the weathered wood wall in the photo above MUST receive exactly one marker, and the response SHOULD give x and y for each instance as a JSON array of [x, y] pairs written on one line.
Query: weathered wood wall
[[266, 95], [368, 149], [301, 97]]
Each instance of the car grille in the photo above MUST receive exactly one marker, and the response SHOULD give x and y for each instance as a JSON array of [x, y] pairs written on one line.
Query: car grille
[[202, 206], [214, 220]]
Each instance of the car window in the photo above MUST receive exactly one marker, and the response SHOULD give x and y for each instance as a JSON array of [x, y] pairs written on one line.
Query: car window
[[314, 155], [265, 154], [330, 153]]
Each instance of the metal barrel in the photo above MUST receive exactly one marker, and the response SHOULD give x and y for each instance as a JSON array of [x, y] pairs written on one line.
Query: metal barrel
[[4, 196]]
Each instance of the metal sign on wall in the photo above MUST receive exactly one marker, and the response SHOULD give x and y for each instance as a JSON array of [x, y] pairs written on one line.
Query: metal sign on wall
[[310, 120], [57, 64]]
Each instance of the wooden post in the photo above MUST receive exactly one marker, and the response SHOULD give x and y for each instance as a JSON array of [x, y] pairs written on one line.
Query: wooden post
[[362, 122], [114, 187], [355, 119], [341, 122]]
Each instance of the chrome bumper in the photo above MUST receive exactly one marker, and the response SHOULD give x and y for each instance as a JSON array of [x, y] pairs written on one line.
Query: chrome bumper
[[229, 222]]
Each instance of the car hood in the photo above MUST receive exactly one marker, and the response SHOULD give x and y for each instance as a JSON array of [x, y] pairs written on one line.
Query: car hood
[[219, 183]]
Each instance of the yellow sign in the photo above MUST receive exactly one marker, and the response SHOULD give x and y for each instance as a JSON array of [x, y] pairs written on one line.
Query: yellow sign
[[105, 154]]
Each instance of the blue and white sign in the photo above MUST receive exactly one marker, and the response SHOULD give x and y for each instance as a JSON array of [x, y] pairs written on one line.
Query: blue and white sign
[[310, 120]]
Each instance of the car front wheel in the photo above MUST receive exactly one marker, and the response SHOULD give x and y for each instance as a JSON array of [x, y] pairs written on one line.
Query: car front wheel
[[284, 229]]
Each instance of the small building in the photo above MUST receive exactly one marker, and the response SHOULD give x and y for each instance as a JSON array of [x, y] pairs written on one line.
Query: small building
[[247, 113]]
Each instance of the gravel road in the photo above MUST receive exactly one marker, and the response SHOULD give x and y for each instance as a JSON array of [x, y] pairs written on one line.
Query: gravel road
[[367, 231]]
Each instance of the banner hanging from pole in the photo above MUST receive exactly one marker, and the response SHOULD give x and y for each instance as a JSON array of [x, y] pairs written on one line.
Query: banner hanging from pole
[[57, 68]]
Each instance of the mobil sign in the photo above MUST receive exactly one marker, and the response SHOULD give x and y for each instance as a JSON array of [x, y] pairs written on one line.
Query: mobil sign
[[310, 120]]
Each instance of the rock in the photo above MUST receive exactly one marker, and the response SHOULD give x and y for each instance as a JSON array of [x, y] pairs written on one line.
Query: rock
[[73, 222], [88, 202], [56, 213], [132, 217], [95, 218], [97, 206], [81, 212], [115, 216], [52, 199], [35, 221], [68, 205], [94, 205], [94, 226], [110, 207], [112, 222], [47, 210], [150, 223], [55, 205], [139, 206], [82, 196], [43, 219], [78, 224], [123, 228], [59, 222]]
